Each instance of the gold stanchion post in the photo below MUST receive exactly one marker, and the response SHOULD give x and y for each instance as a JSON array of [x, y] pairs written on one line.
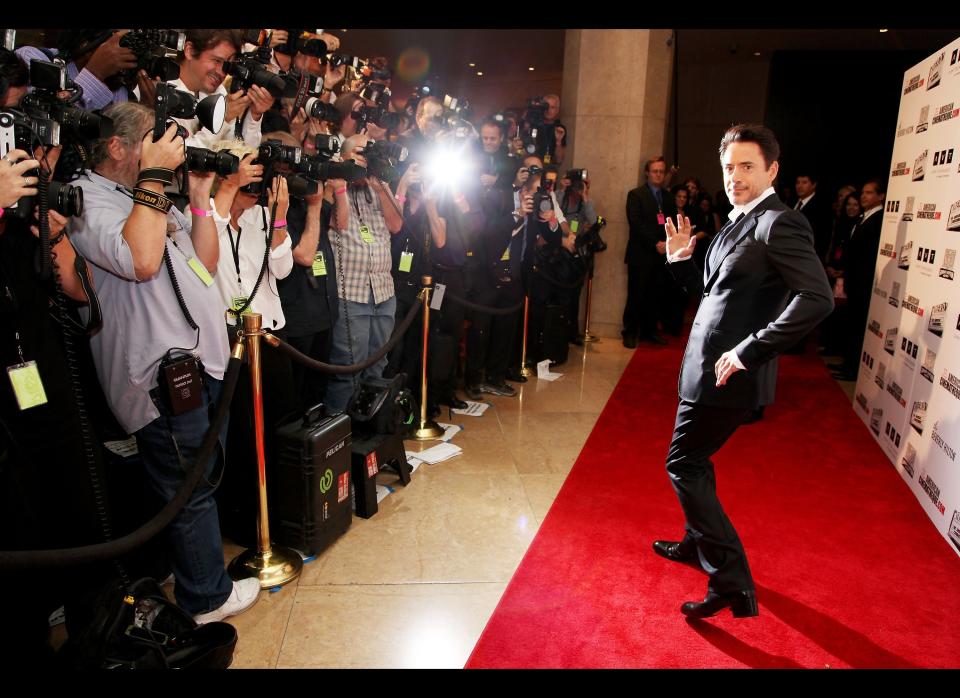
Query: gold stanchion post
[[587, 335], [524, 369], [273, 566], [427, 430]]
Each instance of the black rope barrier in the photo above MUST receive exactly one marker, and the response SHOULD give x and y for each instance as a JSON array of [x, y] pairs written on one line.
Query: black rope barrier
[[486, 309], [560, 284], [65, 557], [305, 360]]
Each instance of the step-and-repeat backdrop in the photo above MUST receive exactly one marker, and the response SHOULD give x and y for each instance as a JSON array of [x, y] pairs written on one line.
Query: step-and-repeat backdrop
[[908, 388]]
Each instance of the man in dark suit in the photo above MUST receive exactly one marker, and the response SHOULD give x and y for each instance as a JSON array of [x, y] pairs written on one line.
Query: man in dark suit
[[648, 208], [747, 316], [859, 261], [816, 209]]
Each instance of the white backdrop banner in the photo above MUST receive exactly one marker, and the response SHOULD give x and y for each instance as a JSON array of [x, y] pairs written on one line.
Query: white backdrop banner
[[908, 387]]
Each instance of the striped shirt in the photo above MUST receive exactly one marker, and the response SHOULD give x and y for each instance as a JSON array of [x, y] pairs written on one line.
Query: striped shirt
[[365, 265], [96, 95]]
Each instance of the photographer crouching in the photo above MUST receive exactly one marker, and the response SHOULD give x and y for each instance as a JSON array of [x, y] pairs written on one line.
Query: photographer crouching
[[153, 267]]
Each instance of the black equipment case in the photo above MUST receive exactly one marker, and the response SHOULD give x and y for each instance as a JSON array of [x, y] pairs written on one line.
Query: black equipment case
[[312, 505]]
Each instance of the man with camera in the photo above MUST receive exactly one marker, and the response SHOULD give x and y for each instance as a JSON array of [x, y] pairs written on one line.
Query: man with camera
[[162, 352], [496, 166], [573, 194], [365, 216], [202, 72]]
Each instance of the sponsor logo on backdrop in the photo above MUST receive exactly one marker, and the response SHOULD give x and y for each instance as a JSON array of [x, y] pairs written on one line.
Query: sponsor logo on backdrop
[[892, 434], [942, 158], [903, 130], [930, 487], [877, 291], [912, 84], [890, 342], [908, 213], [924, 121], [933, 79], [861, 400], [917, 415], [945, 113], [929, 359], [947, 264], [926, 256], [930, 212], [909, 458], [888, 250], [894, 298], [938, 314], [867, 360], [881, 375], [954, 530], [920, 167], [953, 56], [938, 439], [910, 348], [950, 383], [953, 220], [897, 392], [874, 327], [905, 253], [875, 418], [900, 169], [912, 303]]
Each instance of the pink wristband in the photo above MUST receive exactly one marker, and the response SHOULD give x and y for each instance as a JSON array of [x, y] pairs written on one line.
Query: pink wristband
[[340, 191], [200, 212], [282, 223], [400, 198], [1, 213]]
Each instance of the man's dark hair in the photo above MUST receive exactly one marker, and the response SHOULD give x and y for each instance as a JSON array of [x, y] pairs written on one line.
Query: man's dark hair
[[493, 122], [205, 39], [809, 174], [658, 158], [880, 184], [753, 133], [344, 104], [74, 43], [13, 70]]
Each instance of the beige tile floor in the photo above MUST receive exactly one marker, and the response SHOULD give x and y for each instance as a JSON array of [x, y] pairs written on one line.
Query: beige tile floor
[[414, 585]]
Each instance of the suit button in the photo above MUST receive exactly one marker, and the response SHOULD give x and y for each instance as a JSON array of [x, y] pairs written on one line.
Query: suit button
[[707, 293]]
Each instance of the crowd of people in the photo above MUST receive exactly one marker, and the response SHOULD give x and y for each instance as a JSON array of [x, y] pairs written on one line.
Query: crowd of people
[[296, 188]]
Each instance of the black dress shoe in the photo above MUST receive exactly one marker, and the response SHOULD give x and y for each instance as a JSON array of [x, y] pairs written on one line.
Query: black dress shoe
[[656, 339], [754, 415], [678, 552], [630, 342], [454, 403], [743, 604], [515, 376]]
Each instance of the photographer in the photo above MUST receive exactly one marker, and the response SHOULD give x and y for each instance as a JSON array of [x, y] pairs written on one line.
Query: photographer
[[364, 218], [428, 125], [144, 250], [496, 166], [16, 77], [202, 73], [92, 63], [575, 204]]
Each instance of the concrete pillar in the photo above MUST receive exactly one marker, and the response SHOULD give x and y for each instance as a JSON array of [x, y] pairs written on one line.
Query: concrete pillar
[[615, 103]]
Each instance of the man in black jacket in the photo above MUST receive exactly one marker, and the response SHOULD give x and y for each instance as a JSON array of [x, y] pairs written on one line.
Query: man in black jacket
[[763, 255], [648, 208]]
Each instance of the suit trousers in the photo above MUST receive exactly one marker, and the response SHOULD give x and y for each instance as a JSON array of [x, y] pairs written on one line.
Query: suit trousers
[[701, 431], [643, 298]]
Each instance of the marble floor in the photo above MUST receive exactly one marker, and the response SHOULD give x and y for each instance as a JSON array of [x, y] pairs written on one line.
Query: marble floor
[[414, 585]]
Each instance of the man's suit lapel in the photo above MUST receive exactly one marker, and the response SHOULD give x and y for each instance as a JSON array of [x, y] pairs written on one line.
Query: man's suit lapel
[[731, 240]]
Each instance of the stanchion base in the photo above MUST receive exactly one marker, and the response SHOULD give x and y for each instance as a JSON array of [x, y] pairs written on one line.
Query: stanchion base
[[275, 568], [526, 372], [426, 431], [589, 338]]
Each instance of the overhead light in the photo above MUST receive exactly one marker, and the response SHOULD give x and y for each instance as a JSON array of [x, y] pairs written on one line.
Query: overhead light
[[530, 68], [472, 65], [756, 53], [480, 72], [884, 31]]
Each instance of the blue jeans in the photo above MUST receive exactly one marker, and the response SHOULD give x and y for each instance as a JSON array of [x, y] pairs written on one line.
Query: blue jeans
[[370, 328], [168, 445]]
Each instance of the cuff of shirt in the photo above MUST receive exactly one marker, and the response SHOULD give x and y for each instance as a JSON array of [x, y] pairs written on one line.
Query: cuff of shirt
[[217, 218], [284, 248], [736, 361], [96, 95]]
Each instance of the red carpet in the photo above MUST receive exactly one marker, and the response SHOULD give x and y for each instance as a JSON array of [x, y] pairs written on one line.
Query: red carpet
[[849, 570]]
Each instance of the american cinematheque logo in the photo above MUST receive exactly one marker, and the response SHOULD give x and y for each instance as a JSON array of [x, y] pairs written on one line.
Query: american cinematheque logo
[[930, 487], [929, 359], [917, 415], [938, 315], [912, 303], [945, 113], [948, 263], [909, 458], [897, 392], [938, 439], [950, 383], [912, 84], [900, 169], [888, 250], [930, 212]]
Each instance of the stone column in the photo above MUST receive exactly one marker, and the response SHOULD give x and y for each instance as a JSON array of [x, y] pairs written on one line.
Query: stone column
[[615, 103]]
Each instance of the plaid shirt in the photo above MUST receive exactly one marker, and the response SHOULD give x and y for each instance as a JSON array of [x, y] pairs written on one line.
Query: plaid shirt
[[365, 265]]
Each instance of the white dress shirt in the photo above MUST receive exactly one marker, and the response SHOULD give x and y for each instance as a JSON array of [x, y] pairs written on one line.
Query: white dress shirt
[[202, 138]]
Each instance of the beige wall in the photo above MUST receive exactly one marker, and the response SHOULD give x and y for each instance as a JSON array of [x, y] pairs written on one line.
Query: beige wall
[[617, 119]]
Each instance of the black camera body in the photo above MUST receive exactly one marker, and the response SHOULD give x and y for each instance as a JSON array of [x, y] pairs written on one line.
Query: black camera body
[[251, 69], [536, 112], [273, 155], [322, 111], [223, 162], [355, 62], [152, 48], [76, 124], [590, 242], [382, 158], [319, 168], [300, 41], [327, 145]]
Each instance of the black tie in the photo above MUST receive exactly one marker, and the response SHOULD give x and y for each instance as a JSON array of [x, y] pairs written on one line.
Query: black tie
[[659, 199], [721, 236]]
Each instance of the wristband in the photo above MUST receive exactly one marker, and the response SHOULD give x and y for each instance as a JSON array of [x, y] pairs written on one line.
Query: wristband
[[56, 240], [152, 200], [401, 199], [200, 212], [340, 191], [282, 223], [1, 213], [162, 175]]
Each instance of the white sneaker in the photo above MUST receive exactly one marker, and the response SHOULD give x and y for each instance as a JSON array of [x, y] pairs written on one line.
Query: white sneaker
[[244, 594]]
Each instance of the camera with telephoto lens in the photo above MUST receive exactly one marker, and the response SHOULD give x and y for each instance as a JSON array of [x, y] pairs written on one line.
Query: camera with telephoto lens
[[322, 111], [536, 112], [274, 155], [252, 69], [274, 152], [379, 113], [327, 145], [319, 168], [171, 103], [153, 49], [590, 242], [76, 124], [382, 158], [223, 162], [65, 199], [578, 179], [297, 187], [339, 59], [303, 41]]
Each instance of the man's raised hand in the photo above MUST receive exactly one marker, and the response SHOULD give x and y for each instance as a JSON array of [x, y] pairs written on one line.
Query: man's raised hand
[[680, 242]]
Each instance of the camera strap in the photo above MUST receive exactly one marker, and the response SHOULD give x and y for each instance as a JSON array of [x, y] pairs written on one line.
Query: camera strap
[[237, 312]]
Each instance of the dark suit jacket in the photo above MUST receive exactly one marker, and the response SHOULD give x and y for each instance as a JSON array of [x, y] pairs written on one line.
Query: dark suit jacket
[[645, 229], [860, 259], [749, 276], [820, 216]]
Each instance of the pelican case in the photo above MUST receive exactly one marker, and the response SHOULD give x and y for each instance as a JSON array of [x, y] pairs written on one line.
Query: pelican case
[[312, 505]]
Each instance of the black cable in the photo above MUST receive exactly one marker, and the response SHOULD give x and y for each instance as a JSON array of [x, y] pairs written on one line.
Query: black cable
[[65, 557], [263, 267], [397, 335]]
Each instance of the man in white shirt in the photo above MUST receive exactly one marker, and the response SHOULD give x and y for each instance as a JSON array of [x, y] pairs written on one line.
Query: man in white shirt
[[201, 73]]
